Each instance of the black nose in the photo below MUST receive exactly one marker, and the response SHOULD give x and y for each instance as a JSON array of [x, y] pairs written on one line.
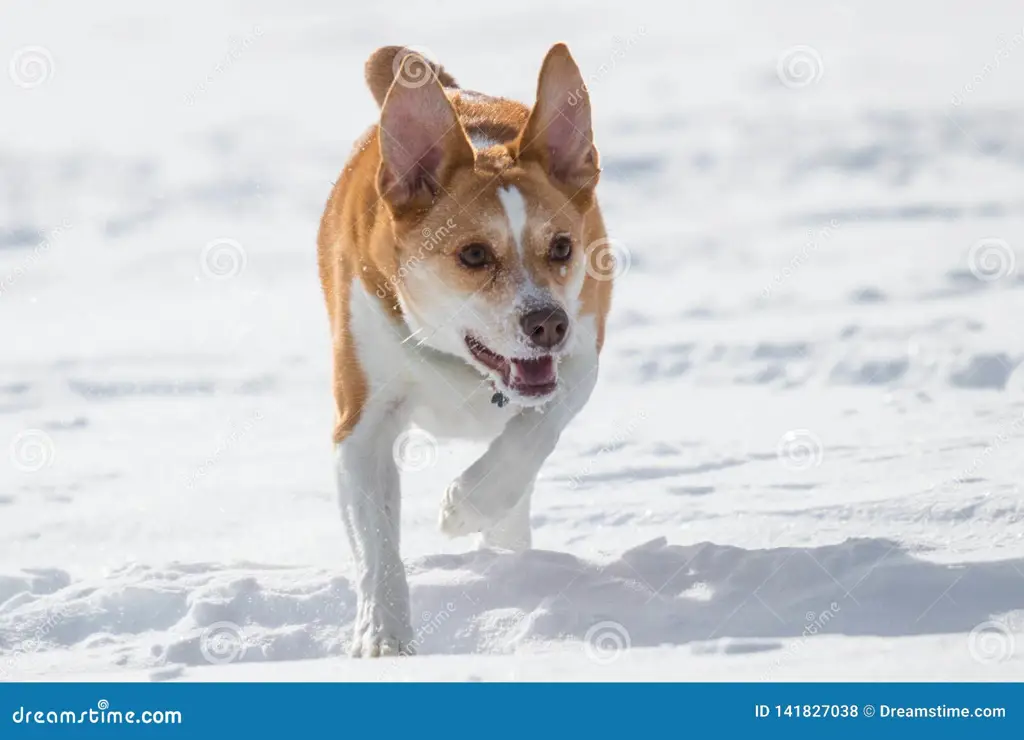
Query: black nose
[[546, 327]]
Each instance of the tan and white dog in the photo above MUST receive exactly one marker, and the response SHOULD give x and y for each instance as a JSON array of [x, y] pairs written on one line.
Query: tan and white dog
[[465, 298]]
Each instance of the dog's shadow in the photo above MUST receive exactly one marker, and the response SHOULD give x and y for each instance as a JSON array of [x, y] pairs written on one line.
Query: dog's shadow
[[660, 594]]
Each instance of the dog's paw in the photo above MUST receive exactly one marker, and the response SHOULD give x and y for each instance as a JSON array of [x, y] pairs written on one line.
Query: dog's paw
[[381, 642], [381, 635], [381, 645], [458, 515]]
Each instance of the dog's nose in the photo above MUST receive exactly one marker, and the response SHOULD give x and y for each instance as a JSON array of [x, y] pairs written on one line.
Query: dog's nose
[[546, 327]]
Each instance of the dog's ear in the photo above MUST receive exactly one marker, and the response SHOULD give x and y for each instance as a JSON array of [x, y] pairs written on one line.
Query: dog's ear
[[388, 62], [421, 143], [558, 133]]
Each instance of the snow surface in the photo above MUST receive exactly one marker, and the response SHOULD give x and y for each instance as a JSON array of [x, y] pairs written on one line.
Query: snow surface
[[803, 457]]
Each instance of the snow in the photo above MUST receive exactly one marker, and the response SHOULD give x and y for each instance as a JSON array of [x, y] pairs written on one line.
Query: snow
[[802, 459]]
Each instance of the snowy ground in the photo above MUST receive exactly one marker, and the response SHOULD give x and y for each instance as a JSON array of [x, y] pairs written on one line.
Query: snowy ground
[[804, 456]]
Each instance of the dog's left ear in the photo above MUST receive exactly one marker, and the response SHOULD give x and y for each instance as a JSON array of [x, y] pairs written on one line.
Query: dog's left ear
[[558, 134]]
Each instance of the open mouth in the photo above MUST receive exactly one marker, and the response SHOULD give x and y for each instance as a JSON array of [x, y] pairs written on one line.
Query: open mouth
[[534, 376]]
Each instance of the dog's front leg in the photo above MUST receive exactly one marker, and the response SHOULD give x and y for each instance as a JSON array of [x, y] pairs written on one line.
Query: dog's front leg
[[494, 485], [369, 496]]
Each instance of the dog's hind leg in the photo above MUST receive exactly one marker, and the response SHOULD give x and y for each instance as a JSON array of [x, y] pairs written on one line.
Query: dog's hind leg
[[513, 531]]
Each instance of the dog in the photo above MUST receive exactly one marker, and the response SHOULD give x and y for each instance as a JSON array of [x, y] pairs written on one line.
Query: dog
[[467, 293]]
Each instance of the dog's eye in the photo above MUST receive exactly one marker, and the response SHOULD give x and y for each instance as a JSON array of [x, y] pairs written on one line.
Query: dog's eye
[[475, 255], [560, 249]]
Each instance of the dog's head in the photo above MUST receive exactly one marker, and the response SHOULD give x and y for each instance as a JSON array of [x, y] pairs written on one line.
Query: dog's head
[[490, 239]]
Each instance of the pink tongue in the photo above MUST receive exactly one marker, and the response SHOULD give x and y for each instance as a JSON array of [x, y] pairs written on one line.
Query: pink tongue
[[534, 372]]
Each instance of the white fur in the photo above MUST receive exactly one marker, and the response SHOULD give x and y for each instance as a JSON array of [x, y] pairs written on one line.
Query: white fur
[[479, 141], [368, 489], [439, 392], [513, 531], [410, 382], [442, 319], [529, 295], [515, 208], [492, 486], [369, 498]]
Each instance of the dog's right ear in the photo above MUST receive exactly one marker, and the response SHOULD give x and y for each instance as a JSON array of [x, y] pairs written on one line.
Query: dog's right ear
[[389, 62], [421, 143]]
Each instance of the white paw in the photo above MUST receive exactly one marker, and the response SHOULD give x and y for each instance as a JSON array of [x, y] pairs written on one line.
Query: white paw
[[379, 633], [458, 516], [381, 645]]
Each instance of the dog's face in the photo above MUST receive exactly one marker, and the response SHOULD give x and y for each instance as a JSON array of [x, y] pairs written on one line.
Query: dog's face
[[498, 284], [490, 243]]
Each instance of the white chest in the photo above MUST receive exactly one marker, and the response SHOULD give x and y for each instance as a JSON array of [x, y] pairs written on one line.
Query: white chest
[[440, 393], [449, 399]]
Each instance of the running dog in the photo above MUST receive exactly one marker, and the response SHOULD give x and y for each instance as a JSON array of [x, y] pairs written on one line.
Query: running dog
[[461, 259]]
